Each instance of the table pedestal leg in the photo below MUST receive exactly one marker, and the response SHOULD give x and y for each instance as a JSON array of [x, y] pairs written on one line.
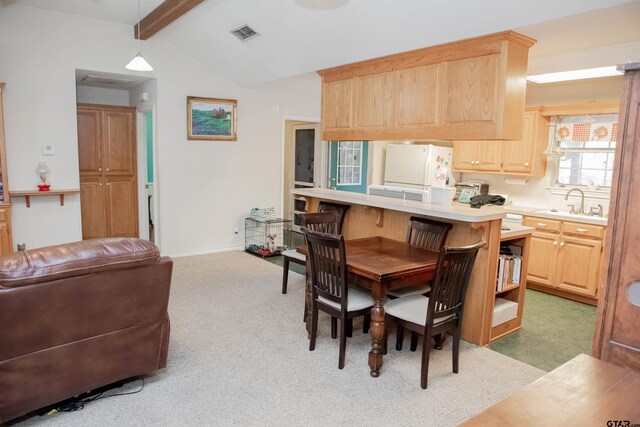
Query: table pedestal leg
[[377, 333]]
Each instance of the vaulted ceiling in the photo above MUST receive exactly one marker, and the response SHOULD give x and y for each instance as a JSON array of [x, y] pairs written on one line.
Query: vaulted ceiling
[[302, 36]]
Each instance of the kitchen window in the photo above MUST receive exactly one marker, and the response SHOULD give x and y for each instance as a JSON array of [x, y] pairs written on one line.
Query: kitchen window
[[588, 143]]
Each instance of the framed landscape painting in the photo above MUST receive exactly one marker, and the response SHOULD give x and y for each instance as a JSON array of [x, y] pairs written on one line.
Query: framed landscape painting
[[211, 119]]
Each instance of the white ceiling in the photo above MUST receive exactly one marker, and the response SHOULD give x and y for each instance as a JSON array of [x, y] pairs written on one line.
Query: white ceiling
[[301, 36]]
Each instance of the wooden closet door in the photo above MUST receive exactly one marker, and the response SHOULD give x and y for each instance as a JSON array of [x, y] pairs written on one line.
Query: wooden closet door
[[119, 142], [89, 141], [617, 330], [122, 206], [92, 207], [108, 173]]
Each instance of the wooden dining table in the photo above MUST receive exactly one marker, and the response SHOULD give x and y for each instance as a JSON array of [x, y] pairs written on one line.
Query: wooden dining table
[[380, 264]]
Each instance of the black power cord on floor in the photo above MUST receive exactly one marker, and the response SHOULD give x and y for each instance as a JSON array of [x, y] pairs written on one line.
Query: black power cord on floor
[[78, 403]]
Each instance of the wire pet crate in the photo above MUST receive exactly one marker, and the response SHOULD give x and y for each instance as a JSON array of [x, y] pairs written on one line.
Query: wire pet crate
[[267, 238]]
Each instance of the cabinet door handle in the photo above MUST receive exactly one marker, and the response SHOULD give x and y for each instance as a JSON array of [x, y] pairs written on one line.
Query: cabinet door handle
[[99, 169], [561, 243], [526, 163], [107, 169], [108, 183], [555, 242], [581, 230], [100, 184], [542, 224]]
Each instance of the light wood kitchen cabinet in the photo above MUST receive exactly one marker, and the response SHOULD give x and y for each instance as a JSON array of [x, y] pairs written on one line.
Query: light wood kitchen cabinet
[[477, 156], [542, 265], [579, 260], [565, 257], [525, 157], [471, 89], [418, 95], [471, 86], [107, 157], [337, 104], [374, 106], [6, 242]]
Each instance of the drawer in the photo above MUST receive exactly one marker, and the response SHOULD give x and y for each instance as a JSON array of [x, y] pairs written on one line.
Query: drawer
[[580, 229], [542, 224]]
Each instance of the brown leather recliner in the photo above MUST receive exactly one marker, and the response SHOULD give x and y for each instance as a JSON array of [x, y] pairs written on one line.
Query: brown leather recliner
[[79, 316]]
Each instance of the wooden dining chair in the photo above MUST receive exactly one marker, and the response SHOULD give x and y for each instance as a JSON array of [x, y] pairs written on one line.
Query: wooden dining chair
[[427, 234], [330, 290], [293, 256], [442, 311]]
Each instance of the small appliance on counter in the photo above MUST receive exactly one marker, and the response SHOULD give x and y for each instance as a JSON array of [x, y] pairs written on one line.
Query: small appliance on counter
[[400, 193], [466, 190]]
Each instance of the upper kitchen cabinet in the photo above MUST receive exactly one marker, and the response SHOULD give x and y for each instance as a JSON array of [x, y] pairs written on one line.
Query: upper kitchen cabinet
[[524, 157], [337, 105], [471, 89]]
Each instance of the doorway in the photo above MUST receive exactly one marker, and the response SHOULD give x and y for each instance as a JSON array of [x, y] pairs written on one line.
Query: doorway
[[305, 165]]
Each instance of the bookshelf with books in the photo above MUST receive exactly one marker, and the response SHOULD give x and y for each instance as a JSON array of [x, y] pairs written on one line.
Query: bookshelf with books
[[510, 284]]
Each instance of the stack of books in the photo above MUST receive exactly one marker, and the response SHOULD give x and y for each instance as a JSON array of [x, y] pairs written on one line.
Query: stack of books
[[509, 267]]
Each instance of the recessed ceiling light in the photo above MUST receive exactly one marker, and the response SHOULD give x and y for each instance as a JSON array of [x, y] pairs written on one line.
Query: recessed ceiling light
[[590, 73]]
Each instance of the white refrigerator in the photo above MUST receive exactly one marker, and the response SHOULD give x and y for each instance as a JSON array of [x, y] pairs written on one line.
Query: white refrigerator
[[418, 166]]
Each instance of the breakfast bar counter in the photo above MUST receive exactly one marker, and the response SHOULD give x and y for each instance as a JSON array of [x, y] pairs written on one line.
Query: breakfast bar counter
[[370, 216]]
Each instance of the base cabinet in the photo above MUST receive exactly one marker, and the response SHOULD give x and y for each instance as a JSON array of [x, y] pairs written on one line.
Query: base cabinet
[[565, 256]]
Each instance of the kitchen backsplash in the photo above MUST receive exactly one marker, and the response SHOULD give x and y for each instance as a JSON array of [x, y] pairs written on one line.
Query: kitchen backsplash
[[534, 193]]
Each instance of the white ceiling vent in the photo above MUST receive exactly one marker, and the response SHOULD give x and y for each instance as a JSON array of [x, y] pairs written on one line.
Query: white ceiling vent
[[244, 33], [104, 81]]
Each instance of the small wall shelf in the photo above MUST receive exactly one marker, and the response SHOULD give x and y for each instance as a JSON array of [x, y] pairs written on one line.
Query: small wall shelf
[[27, 194]]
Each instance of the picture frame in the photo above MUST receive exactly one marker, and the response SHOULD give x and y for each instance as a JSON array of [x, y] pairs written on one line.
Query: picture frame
[[211, 119]]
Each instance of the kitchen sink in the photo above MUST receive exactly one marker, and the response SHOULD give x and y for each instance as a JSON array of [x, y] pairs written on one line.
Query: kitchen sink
[[564, 213]]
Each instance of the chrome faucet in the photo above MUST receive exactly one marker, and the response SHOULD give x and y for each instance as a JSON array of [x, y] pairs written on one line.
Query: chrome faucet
[[566, 197]]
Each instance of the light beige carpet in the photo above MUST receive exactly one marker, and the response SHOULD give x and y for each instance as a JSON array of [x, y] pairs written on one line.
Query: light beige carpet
[[239, 356]]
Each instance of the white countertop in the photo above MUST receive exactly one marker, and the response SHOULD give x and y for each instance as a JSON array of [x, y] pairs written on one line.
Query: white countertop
[[563, 216], [514, 230], [455, 211]]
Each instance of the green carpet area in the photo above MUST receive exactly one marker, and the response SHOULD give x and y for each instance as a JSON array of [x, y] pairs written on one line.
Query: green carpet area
[[554, 330]]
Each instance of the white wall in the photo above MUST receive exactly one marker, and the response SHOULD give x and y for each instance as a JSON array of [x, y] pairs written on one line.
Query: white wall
[[98, 95], [205, 188]]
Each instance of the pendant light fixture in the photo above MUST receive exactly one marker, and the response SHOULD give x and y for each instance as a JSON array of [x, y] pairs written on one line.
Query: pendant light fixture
[[138, 63]]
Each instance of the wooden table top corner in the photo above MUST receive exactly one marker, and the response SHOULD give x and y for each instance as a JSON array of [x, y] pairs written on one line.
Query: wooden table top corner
[[583, 392]]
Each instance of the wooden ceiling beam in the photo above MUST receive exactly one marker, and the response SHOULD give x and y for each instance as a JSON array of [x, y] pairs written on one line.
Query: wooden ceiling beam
[[163, 15]]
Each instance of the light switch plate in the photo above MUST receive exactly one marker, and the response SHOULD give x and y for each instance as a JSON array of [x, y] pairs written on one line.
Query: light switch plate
[[48, 150]]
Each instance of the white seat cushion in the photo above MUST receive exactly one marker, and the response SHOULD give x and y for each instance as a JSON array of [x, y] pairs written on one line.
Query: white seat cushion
[[410, 290], [358, 299], [412, 309], [292, 253]]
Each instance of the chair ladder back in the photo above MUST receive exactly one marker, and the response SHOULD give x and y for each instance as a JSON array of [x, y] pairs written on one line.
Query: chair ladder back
[[323, 222], [451, 281], [328, 266], [334, 207], [427, 234]]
